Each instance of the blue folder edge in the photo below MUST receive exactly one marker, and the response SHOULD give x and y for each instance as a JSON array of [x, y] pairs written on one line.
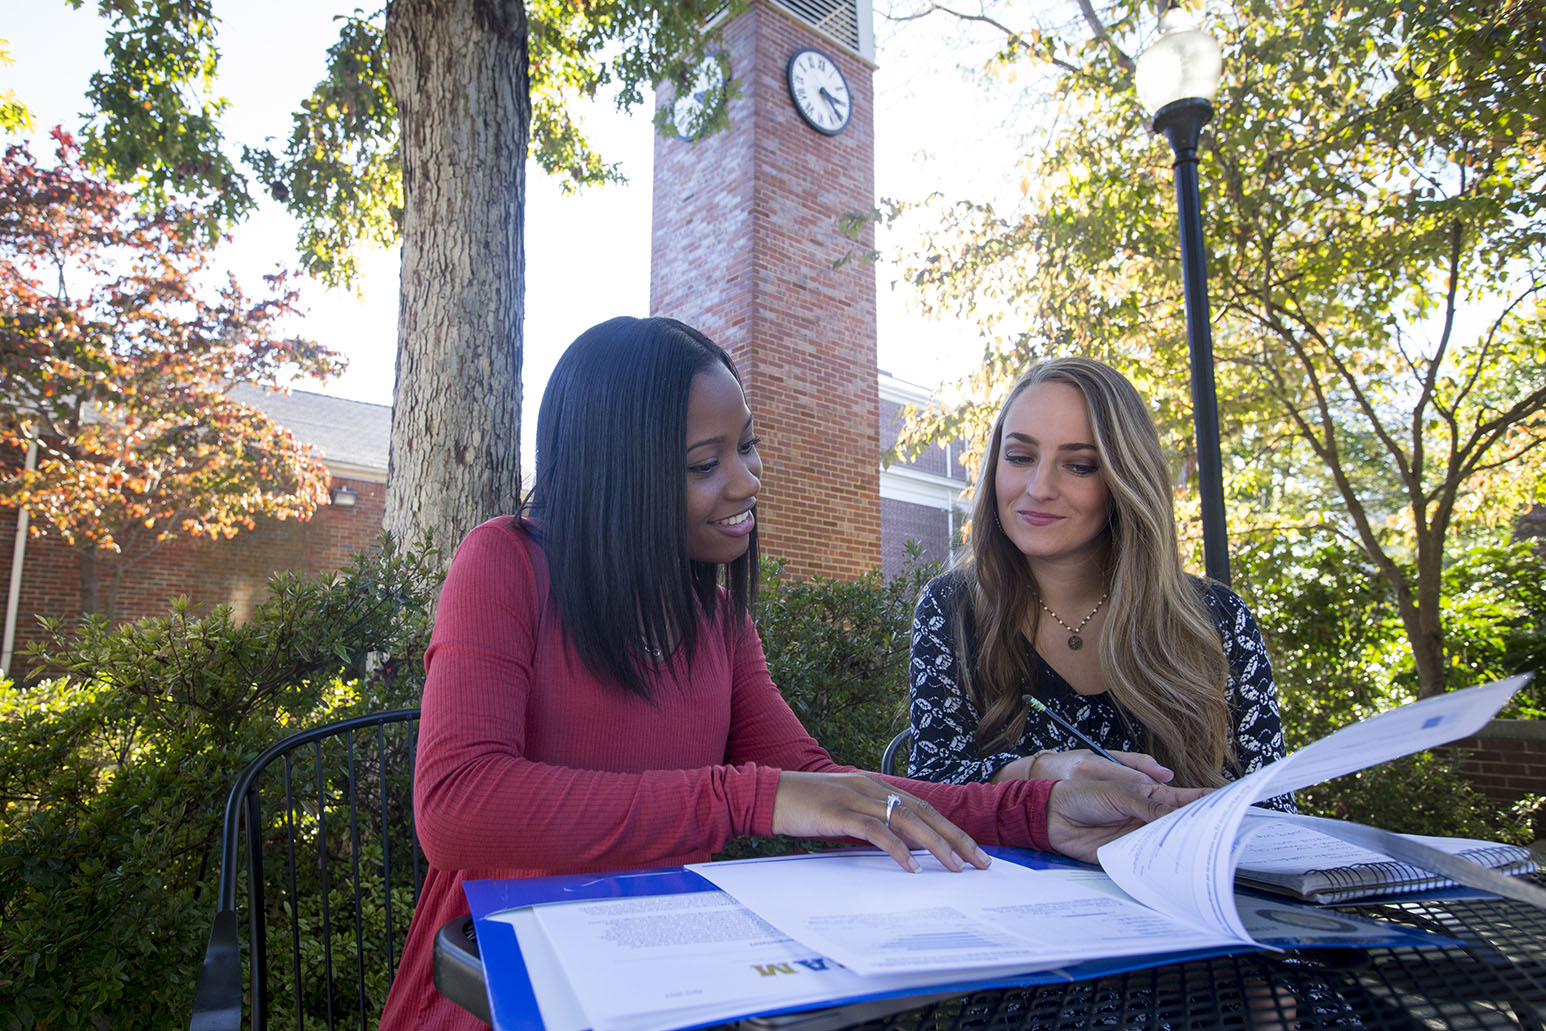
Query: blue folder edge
[[513, 1001]]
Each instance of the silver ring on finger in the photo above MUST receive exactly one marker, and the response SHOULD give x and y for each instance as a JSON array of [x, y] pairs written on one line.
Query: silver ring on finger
[[892, 801]]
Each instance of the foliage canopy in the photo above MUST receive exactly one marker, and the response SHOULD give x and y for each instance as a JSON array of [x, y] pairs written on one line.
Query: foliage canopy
[[418, 131], [117, 364], [1373, 186], [159, 124]]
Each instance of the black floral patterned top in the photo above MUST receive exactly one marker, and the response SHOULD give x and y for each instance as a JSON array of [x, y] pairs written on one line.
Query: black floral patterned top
[[944, 718]]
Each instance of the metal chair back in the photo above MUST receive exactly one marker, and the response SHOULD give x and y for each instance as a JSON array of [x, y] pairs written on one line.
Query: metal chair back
[[319, 859], [898, 755]]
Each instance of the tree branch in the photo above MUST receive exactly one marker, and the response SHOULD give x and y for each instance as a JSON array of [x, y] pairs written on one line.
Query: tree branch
[[1098, 29]]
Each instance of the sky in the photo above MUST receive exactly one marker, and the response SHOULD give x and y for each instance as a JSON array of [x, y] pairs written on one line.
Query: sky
[[939, 127]]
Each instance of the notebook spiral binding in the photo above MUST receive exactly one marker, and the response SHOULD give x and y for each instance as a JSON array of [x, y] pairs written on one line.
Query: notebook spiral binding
[[1350, 882]]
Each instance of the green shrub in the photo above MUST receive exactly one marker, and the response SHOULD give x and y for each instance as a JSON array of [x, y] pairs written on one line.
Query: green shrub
[[334, 925], [113, 776], [837, 650], [1495, 620], [1339, 655], [1421, 794], [1338, 652]]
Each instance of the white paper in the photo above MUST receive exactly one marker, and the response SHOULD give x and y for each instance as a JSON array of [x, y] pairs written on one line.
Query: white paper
[[668, 961], [868, 914], [1183, 864], [556, 1001]]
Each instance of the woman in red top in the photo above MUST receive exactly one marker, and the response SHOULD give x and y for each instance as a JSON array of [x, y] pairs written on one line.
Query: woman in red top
[[597, 697]]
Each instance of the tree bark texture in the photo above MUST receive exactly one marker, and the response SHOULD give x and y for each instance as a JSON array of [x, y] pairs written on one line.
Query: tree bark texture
[[90, 600], [458, 72], [1425, 628]]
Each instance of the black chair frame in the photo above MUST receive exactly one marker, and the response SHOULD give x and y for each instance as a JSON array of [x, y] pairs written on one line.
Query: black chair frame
[[900, 745], [218, 1001]]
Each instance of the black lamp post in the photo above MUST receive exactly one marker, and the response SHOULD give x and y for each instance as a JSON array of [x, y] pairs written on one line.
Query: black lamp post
[[1177, 78]]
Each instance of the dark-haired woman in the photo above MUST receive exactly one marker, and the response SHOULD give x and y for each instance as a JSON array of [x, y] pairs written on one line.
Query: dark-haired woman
[[1074, 599], [597, 697]]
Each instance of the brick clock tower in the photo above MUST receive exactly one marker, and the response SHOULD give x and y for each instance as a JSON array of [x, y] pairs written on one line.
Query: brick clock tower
[[748, 246]]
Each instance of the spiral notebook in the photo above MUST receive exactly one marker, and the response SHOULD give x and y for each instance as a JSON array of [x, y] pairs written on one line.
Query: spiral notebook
[[1281, 853]]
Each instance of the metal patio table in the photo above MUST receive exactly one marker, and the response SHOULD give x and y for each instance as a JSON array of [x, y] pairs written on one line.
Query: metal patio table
[[1496, 978]]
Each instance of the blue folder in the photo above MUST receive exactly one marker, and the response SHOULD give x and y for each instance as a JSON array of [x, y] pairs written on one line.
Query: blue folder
[[513, 1001]]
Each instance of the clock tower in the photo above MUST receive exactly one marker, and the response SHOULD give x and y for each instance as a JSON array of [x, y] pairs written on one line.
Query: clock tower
[[749, 246]]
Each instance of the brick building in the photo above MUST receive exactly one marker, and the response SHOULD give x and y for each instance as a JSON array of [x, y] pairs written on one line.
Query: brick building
[[920, 499], [747, 245], [351, 438]]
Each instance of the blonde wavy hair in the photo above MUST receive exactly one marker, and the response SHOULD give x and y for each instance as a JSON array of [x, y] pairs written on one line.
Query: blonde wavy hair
[[1160, 654]]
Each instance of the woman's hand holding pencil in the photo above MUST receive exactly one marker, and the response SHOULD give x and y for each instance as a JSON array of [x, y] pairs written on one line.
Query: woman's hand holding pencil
[[1091, 762]]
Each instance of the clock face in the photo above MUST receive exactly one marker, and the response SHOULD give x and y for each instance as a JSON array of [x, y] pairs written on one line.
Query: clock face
[[819, 91], [704, 94]]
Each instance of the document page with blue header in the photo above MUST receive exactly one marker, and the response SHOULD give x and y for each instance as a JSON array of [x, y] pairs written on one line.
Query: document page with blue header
[[677, 960], [685, 959], [1183, 864], [866, 913], [1177, 873]]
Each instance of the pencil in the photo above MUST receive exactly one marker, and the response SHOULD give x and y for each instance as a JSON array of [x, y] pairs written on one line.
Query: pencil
[[1036, 704]]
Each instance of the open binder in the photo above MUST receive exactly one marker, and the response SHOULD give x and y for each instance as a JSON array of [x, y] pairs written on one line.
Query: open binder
[[514, 985]]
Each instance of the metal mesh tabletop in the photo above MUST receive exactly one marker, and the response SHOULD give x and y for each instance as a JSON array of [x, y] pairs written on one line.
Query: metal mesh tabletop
[[1495, 979]]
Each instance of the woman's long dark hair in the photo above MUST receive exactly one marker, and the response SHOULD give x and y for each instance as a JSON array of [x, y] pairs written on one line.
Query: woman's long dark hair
[[610, 496]]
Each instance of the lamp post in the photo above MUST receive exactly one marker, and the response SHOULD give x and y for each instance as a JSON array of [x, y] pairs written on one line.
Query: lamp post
[[1176, 79]]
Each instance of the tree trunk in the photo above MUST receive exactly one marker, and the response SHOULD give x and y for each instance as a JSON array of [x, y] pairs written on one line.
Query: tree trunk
[[458, 71], [1427, 635], [89, 580]]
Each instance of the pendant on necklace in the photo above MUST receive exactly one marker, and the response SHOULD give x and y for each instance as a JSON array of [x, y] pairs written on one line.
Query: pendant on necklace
[[1075, 642]]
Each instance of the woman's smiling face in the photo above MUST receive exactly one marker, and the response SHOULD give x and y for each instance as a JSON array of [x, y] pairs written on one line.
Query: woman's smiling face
[[723, 468], [1053, 501]]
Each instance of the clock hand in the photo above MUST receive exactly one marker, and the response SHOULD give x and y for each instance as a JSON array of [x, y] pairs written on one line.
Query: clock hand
[[832, 102]]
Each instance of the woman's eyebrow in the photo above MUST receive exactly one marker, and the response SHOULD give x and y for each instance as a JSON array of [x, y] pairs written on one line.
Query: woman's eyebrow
[[1025, 438], [719, 439]]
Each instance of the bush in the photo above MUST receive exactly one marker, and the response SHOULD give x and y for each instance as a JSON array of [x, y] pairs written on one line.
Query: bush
[[1339, 655], [346, 954], [1421, 794], [1332, 631], [114, 775], [1495, 620], [837, 650]]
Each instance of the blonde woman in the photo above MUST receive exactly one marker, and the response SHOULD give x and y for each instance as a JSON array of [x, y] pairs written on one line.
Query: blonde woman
[[1074, 598]]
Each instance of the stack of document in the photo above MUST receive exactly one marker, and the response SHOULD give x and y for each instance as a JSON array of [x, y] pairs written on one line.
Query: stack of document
[[681, 960], [674, 952], [658, 950]]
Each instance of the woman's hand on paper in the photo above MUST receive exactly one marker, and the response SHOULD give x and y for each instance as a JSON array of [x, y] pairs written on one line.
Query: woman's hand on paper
[[853, 805], [1081, 763], [1082, 815]]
